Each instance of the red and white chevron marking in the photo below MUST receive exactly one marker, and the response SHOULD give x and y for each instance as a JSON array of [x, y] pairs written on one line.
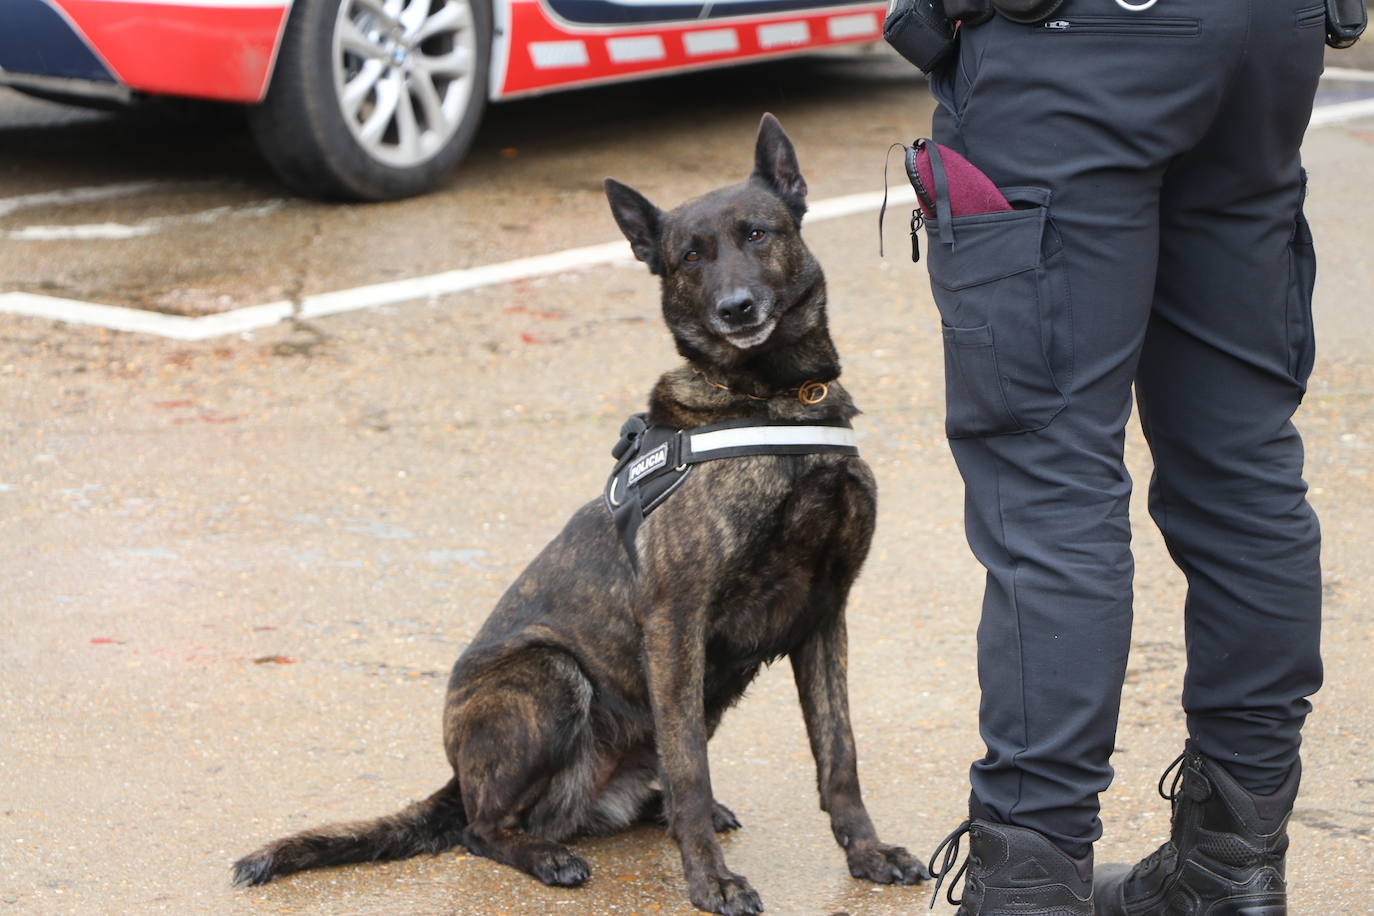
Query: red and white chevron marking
[[536, 53]]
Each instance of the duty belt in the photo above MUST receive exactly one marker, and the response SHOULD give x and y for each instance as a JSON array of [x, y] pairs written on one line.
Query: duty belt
[[652, 461]]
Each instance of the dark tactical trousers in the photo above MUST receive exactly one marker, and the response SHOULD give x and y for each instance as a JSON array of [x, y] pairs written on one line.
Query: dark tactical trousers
[[1159, 241]]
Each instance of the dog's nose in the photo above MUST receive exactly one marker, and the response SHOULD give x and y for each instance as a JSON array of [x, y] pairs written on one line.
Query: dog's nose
[[735, 307]]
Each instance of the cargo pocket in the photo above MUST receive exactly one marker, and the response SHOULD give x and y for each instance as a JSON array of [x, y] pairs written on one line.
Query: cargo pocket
[[1005, 314], [1302, 278]]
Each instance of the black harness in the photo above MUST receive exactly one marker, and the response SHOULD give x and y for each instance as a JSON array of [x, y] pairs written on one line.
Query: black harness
[[653, 461]]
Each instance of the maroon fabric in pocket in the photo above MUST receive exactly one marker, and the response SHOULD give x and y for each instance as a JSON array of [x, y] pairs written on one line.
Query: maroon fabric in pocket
[[970, 191]]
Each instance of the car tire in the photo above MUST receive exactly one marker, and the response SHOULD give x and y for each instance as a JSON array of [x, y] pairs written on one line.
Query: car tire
[[374, 99]]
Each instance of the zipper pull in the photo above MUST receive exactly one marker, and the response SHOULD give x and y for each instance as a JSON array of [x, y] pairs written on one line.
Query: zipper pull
[[1058, 25], [917, 221]]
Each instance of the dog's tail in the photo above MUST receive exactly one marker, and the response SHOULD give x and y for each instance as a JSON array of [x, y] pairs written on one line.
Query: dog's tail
[[428, 826]]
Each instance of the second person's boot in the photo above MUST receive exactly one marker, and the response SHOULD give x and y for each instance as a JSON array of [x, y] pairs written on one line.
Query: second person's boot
[[1225, 855]]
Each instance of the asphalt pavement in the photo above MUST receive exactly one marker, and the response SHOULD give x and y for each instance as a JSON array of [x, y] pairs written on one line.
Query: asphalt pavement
[[238, 570]]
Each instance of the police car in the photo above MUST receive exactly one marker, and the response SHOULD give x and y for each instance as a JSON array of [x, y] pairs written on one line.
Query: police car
[[376, 99]]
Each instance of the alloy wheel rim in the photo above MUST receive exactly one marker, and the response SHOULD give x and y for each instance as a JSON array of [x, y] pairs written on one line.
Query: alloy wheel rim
[[403, 74]]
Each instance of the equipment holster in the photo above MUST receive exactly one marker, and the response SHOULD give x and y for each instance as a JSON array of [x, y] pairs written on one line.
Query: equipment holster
[[1345, 22], [920, 31]]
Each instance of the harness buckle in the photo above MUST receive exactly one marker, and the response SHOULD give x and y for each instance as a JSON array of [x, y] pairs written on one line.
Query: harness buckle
[[681, 451]]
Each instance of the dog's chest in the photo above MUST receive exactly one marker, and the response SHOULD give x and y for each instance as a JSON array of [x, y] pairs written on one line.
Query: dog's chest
[[798, 537]]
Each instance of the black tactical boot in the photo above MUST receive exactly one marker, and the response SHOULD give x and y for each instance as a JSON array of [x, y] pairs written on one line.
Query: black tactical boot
[[1225, 851], [1013, 871]]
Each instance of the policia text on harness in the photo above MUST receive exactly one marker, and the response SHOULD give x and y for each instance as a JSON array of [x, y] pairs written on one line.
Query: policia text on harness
[[652, 461]]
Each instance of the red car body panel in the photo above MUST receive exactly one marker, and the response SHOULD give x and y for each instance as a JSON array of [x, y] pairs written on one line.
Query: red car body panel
[[226, 49], [212, 51]]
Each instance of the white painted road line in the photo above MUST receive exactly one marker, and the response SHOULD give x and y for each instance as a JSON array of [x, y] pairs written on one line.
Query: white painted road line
[[1348, 73], [1337, 112], [456, 281], [252, 318], [150, 226], [118, 318], [94, 194]]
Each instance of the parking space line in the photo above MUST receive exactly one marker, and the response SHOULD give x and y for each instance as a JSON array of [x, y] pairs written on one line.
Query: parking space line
[[86, 195], [145, 227], [1337, 112], [257, 317], [1348, 73], [138, 321], [253, 318]]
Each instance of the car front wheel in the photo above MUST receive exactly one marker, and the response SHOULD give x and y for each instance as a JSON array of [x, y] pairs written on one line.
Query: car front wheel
[[375, 99]]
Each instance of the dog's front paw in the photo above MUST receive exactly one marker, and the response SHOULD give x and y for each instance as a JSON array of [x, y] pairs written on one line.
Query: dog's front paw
[[886, 864], [561, 868], [723, 820], [728, 894]]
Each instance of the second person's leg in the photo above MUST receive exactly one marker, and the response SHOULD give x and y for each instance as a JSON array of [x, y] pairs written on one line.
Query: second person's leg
[[1043, 334]]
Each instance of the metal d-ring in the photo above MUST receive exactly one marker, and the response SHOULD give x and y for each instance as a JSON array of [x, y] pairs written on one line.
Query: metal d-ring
[[1136, 7], [611, 494], [813, 393]]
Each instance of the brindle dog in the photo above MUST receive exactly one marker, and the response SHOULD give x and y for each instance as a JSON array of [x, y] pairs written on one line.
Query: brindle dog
[[585, 702]]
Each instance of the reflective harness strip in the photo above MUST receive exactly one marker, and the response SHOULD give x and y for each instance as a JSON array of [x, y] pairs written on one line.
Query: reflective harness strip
[[754, 436], [653, 461]]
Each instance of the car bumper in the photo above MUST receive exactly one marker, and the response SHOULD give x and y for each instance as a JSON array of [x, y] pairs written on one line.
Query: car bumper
[[213, 49]]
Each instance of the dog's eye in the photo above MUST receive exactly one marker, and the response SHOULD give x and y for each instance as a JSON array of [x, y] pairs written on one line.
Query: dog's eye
[[756, 235], [691, 256]]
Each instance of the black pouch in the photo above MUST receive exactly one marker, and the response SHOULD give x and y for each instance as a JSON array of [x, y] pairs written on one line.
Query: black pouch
[[1345, 22], [920, 31]]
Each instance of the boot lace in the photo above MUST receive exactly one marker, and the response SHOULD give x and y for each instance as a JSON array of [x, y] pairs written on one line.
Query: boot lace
[[947, 854], [1177, 769], [1201, 788], [1166, 854], [1162, 855]]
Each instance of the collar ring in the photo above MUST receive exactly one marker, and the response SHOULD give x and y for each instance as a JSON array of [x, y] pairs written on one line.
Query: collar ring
[[813, 393]]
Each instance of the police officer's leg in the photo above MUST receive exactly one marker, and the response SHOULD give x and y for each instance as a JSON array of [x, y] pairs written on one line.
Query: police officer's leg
[[1219, 381], [1225, 360], [1224, 367], [1095, 117]]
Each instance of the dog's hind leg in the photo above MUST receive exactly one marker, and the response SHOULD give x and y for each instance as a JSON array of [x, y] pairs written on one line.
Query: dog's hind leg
[[723, 820], [631, 796], [552, 863], [520, 740]]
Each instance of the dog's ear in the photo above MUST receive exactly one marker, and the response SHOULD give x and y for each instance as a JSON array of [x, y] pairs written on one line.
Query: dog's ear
[[640, 220], [775, 166]]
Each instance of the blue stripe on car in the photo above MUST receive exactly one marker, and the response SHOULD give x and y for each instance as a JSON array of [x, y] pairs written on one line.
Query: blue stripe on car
[[612, 12], [37, 39]]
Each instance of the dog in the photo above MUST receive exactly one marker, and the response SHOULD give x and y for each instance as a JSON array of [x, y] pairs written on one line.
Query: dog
[[585, 702]]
